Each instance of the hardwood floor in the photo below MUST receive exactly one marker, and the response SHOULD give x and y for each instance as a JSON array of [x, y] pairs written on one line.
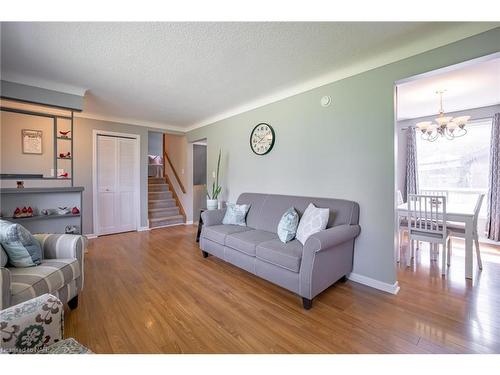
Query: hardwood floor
[[153, 292]]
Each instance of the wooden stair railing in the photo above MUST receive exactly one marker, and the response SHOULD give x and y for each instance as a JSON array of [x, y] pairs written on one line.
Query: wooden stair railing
[[183, 189]]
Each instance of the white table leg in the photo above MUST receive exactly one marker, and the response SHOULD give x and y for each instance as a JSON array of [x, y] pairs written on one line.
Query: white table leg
[[468, 248]]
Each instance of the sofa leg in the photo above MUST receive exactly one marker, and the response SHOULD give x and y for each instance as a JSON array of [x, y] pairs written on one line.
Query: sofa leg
[[204, 253], [307, 303], [73, 303]]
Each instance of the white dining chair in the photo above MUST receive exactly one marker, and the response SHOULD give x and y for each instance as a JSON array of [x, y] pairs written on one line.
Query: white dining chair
[[441, 193], [427, 222], [434, 192], [458, 230]]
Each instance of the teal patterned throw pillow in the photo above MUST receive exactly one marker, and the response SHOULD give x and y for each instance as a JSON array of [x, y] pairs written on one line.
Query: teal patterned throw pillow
[[236, 214], [287, 227], [22, 249]]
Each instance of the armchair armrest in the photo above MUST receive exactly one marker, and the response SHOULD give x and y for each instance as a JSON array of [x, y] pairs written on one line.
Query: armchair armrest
[[331, 237], [4, 288], [213, 217], [31, 325], [62, 246]]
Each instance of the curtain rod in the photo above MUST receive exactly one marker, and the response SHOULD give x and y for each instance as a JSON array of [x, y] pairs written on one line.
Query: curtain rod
[[471, 121]]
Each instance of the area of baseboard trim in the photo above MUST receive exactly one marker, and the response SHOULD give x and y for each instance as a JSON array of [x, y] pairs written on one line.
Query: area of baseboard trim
[[377, 284], [143, 229]]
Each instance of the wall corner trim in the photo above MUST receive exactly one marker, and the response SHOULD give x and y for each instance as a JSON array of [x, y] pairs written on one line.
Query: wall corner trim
[[143, 229], [377, 284]]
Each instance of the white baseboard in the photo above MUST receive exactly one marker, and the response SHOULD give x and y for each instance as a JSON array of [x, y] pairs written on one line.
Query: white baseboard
[[143, 229], [190, 222], [90, 236], [377, 284]]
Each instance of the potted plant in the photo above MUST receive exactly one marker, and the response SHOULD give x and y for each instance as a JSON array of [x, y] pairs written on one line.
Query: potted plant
[[212, 198]]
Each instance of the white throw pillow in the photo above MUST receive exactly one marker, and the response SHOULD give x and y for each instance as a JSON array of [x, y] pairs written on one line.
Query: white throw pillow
[[314, 220]]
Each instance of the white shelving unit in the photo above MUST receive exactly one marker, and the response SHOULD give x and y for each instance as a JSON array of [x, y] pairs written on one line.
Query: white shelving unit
[[39, 199]]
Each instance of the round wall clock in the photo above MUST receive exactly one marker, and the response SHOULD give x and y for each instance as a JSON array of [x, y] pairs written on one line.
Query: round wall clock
[[262, 139]]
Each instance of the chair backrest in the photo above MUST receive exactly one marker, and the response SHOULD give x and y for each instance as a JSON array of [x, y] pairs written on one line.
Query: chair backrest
[[479, 202], [400, 198], [427, 214], [441, 193]]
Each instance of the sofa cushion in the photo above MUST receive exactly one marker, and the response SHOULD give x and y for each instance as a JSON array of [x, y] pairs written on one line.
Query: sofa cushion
[[22, 249], [246, 242], [286, 255], [313, 221], [218, 233], [236, 214], [48, 277], [287, 227]]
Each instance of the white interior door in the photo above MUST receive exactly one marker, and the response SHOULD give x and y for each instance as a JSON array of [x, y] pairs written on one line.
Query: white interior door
[[116, 184]]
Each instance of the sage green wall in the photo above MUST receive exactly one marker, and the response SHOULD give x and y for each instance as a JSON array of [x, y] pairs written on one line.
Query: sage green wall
[[344, 151]]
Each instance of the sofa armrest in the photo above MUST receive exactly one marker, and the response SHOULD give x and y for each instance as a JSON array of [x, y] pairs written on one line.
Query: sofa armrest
[[4, 288], [327, 256], [331, 237], [31, 325], [213, 217], [62, 246]]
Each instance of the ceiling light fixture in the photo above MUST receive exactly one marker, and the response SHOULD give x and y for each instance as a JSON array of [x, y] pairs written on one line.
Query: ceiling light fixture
[[444, 126]]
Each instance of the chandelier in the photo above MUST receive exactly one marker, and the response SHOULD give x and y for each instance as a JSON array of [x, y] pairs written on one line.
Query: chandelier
[[444, 126]]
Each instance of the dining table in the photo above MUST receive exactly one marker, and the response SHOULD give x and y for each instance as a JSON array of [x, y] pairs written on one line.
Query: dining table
[[455, 212]]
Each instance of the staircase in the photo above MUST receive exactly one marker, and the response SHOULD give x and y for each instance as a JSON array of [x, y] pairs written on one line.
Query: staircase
[[162, 206]]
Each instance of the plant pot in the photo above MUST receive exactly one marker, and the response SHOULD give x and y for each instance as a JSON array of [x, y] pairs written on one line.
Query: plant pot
[[212, 204]]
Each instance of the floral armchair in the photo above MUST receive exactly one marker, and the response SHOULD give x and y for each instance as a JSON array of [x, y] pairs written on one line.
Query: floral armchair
[[36, 326]]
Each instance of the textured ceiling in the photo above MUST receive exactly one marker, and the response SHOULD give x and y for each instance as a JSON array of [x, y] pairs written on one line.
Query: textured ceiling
[[183, 74], [472, 86]]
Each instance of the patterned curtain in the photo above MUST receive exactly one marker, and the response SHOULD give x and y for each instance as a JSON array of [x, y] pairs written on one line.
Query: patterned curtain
[[493, 218], [411, 163]]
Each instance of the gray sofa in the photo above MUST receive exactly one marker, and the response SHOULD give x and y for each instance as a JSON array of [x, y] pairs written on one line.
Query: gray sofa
[[307, 270]]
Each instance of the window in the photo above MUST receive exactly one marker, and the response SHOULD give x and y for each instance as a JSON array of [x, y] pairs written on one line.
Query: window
[[459, 165]]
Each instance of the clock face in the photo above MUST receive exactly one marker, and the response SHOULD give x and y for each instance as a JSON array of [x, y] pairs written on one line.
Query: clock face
[[262, 139]]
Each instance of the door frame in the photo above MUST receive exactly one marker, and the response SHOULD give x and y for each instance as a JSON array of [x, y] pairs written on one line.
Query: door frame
[[137, 185]]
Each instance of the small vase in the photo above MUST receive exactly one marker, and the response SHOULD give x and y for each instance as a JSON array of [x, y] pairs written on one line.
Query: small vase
[[212, 204]]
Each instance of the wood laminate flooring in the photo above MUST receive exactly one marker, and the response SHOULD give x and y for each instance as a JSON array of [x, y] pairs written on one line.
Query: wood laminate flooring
[[153, 292]]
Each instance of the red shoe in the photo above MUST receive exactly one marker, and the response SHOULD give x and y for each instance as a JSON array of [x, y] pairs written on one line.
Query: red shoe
[[30, 211], [63, 175], [75, 211], [17, 213], [24, 212]]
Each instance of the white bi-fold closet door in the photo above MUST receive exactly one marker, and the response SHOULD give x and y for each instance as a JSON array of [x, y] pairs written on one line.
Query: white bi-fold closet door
[[117, 193]]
